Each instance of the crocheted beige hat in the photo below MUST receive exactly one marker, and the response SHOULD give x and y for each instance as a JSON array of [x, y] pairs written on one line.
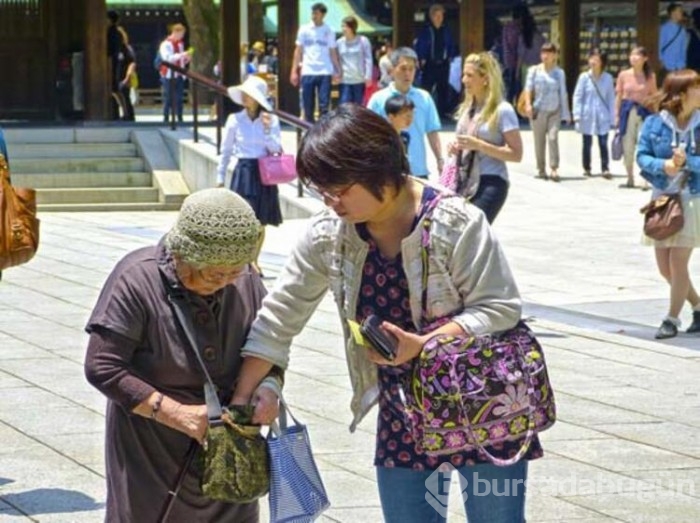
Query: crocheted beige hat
[[215, 227]]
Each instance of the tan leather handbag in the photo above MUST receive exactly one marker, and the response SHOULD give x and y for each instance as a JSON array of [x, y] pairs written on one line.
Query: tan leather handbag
[[19, 227]]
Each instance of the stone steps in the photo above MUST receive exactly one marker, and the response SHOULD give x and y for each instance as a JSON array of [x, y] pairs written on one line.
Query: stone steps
[[82, 179], [108, 207], [97, 195], [106, 164], [73, 150], [101, 169]]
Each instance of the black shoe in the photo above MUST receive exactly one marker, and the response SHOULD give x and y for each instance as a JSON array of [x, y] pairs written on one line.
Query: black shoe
[[695, 326], [668, 329]]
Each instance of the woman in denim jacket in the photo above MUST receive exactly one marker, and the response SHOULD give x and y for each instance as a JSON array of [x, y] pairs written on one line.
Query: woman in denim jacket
[[366, 248], [669, 147]]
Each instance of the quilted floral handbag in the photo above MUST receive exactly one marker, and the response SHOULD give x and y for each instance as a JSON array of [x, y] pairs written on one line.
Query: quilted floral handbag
[[469, 392]]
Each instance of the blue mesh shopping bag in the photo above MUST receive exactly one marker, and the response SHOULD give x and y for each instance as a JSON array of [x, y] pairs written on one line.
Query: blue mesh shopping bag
[[297, 494]]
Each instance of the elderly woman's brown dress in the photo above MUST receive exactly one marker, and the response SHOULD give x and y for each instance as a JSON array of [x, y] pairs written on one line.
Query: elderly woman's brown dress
[[136, 347]]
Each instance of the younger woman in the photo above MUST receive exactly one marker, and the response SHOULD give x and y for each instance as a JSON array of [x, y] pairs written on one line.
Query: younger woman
[[355, 54], [488, 133], [365, 249], [250, 135], [668, 148], [594, 109], [634, 86]]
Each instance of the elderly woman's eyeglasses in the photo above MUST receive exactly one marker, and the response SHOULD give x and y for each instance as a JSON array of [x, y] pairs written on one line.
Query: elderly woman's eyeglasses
[[330, 195], [218, 275]]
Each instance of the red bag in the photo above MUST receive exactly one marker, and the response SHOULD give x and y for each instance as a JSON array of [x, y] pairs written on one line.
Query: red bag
[[369, 91], [277, 168]]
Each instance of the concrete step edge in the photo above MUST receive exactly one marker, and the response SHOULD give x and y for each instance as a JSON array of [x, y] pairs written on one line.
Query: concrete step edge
[[106, 207]]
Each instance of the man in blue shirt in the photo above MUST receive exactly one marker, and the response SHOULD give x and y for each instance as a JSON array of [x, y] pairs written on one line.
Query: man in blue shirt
[[426, 121], [673, 40]]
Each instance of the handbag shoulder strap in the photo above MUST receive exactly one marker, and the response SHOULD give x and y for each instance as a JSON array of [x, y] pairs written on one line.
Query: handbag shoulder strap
[[677, 183], [277, 427], [178, 300], [595, 85], [426, 223], [670, 42]]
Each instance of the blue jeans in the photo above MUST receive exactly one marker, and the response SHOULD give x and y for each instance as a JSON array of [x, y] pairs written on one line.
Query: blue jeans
[[491, 494], [310, 84], [354, 93], [491, 195], [602, 145], [168, 100]]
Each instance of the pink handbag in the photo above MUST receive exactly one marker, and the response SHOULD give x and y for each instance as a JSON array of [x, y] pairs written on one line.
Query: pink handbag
[[277, 168]]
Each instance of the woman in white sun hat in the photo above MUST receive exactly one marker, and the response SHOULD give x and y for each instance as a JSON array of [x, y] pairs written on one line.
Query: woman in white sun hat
[[249, 135]]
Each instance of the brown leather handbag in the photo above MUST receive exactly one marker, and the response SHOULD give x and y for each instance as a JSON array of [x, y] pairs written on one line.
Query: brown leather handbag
[[663, 216], [19, 226]]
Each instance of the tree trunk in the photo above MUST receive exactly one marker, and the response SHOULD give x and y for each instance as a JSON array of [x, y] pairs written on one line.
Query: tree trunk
[[203, 28]]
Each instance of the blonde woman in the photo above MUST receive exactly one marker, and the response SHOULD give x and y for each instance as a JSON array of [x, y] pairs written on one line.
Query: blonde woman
[[488, 132]]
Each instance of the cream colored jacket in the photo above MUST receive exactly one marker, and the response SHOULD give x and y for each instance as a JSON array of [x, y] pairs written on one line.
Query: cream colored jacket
[[468, 277]]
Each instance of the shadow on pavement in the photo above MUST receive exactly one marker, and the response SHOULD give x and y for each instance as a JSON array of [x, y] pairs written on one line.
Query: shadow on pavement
[[50, 501]]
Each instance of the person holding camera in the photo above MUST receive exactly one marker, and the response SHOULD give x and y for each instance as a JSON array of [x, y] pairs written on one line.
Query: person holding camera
[[366, 249]]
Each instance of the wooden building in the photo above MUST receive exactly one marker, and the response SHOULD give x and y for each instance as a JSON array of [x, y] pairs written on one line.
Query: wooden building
[[47, 45]]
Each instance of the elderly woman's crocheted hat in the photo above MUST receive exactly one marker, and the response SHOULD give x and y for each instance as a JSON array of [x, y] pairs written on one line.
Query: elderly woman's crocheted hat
[[215, 227]]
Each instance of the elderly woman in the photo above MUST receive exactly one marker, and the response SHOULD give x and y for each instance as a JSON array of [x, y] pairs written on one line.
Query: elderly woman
[[366, 248], [138, 356]]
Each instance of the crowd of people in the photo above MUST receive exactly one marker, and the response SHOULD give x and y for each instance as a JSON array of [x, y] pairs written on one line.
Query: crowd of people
[[389, 243], [487, 133]]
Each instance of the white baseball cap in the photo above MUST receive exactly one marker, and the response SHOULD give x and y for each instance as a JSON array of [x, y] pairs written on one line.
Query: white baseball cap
[[254, 87]]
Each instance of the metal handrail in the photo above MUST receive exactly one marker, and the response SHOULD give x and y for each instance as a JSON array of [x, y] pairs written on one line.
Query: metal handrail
[[221, 91], [218, 88]]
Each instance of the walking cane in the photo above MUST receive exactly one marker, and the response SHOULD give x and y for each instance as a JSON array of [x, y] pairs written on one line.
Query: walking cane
[[172, 494]]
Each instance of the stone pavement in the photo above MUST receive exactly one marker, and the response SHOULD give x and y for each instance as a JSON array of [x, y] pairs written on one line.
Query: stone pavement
[[625, 447]]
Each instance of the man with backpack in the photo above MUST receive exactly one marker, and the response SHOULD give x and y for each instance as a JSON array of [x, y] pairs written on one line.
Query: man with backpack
[[172, 50]]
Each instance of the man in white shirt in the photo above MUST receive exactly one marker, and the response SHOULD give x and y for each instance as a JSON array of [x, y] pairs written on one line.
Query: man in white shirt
[[316, 51]]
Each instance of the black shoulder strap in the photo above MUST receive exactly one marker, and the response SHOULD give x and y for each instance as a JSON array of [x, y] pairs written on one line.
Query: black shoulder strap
[[675, 37], [177, 300]]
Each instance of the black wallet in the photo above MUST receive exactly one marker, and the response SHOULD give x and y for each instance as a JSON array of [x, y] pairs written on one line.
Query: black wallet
[[383, 342]]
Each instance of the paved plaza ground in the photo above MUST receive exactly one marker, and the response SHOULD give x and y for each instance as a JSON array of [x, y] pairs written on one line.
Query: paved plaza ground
[[625, 449]]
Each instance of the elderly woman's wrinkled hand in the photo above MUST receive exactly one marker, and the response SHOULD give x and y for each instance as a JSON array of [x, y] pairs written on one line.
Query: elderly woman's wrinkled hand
[[266, 406], [192, 420], [408, 347]]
